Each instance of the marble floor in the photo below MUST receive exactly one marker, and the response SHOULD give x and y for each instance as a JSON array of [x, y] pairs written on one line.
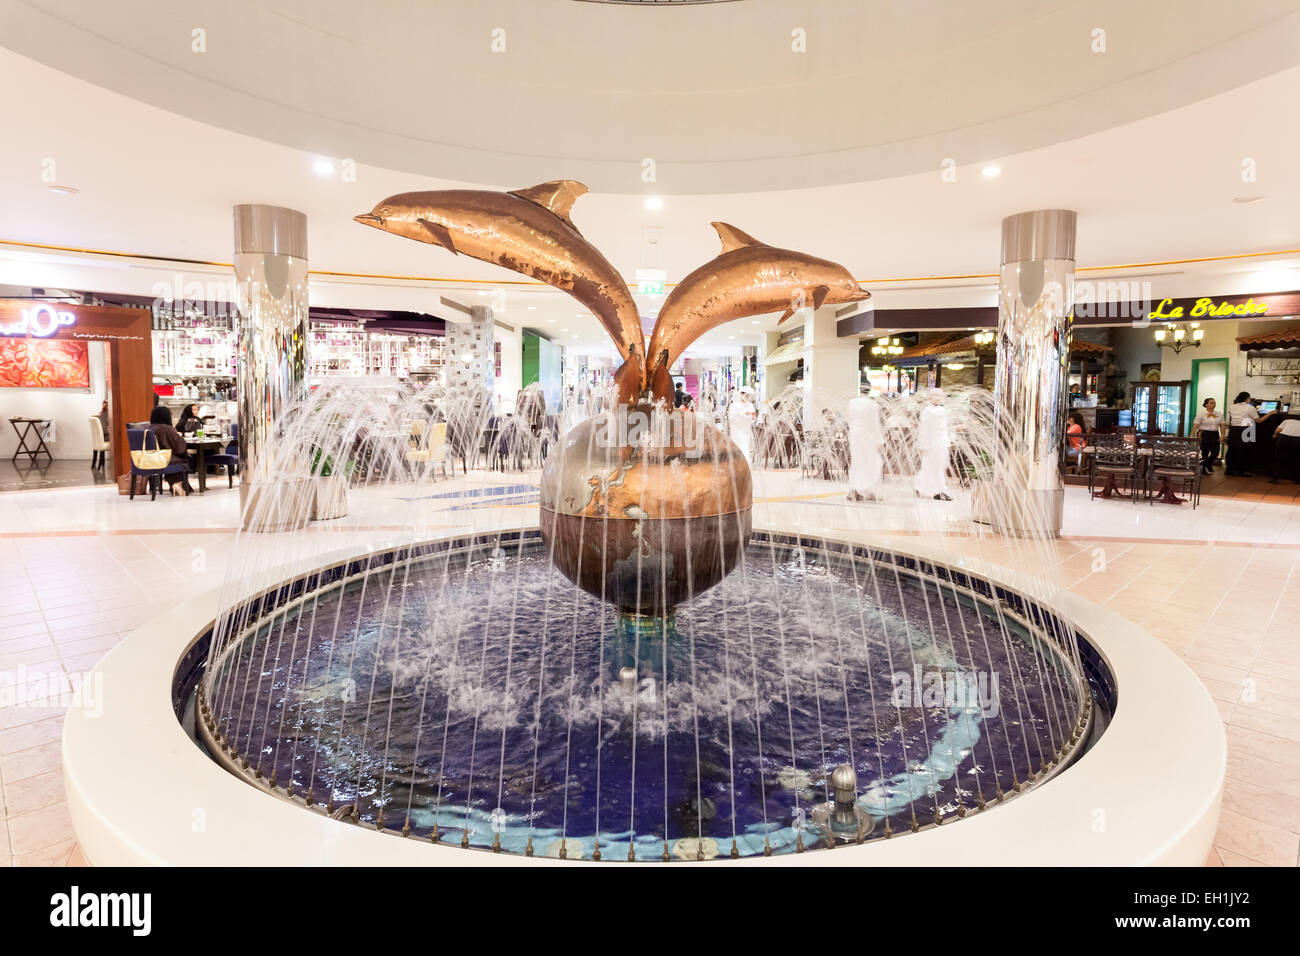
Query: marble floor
[[1220, 585]]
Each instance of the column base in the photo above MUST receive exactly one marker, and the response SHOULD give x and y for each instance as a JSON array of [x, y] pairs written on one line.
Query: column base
[[1032, 514], [277, 504]]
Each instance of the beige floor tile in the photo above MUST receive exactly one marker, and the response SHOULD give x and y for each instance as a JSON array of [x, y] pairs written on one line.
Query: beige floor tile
[[56, 855], [28, 763], [1259, 841], [40, 829], [1235, 859], [30, 735], [1263, 803], [34, 793]]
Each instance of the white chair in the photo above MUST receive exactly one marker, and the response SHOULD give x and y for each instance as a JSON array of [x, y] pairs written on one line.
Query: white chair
[[99, 445], [434, 452]]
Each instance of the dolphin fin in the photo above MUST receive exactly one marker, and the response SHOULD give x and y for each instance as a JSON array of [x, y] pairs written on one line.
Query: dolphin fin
[[557, 197], [819, 295], [733, 238], [440, 234]]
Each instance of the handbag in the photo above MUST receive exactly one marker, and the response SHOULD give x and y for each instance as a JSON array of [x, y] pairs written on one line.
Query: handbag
[[151, 459]]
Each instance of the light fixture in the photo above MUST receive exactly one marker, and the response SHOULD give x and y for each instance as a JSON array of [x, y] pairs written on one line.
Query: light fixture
[[323, 167], [991, 172], [984, 338], [533, 308], [63, 190], [1175, 336], [654, 202], [887, 346], [955, 366]]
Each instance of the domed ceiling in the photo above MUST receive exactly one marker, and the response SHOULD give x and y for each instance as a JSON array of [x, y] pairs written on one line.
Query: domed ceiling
[[736, 97]]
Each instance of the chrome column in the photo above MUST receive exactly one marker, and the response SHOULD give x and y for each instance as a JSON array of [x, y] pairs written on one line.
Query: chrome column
[[1035, 303], [271, 286]]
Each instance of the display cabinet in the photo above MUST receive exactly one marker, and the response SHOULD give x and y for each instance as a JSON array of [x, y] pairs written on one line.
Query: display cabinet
[[1159, 407]]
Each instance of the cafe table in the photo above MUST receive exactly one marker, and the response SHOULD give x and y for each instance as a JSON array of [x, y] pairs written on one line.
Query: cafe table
[[201, 447], [30, 427]]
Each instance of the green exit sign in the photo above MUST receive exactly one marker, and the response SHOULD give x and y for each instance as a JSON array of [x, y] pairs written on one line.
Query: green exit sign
[[650, 281]]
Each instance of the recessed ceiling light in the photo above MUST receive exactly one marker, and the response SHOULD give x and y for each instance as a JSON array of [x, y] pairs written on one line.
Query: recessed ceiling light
[[989, 172], [756, 322], [575, 335], [323, 167], [63, 190], [533, 308], [731, 336], [564, 330], [1239, 200], [654, 202], [551, 321]]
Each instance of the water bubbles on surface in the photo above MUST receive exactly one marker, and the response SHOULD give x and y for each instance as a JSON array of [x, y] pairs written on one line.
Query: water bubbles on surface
[[790, 778]]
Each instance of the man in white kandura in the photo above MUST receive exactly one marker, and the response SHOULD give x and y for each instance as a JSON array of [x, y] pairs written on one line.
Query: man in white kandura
[[932, 441], [866, 439], [740, 419]]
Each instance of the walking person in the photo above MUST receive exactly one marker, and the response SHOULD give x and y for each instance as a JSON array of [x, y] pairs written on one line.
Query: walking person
[[1208, 427]]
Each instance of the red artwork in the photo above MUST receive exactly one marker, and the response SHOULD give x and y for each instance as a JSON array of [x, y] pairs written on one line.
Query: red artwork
[[41, 363]]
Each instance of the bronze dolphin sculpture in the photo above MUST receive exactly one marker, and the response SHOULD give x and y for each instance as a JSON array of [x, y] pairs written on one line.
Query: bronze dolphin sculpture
[[527, 231], [747, 278]]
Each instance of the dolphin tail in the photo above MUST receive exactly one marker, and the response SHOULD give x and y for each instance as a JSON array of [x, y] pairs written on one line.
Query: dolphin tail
[[628, 380]]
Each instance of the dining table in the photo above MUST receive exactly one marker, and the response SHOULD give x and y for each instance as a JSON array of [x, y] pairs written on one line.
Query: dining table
[[201, 447]]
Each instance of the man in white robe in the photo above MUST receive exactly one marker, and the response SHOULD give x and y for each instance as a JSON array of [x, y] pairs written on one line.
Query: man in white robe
[[933, 441], [866, 441], [741, 414]]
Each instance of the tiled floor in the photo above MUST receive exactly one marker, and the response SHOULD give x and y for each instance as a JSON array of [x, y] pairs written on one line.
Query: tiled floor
[[80, 568], [25, 475]]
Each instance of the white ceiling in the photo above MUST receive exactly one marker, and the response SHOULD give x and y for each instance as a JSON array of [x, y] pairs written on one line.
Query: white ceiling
[[157, 183], [716, 94]]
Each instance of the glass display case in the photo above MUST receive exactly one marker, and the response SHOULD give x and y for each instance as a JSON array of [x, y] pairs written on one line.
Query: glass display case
[[1159, 407]]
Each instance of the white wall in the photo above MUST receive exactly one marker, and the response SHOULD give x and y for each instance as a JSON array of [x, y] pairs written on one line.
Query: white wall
[[69, 409]]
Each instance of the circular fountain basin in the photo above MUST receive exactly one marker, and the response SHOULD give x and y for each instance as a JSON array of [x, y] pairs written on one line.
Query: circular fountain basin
[[1094, 811]]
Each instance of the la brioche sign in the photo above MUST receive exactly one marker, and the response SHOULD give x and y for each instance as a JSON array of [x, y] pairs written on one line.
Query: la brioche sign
[[1206, 308]]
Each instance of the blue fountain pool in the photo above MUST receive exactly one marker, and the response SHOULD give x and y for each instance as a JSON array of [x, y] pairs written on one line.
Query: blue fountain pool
[[478, 691]]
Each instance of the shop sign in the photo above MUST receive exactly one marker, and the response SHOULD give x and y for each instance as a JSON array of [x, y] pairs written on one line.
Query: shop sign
[[1207, 308], [41, 321]]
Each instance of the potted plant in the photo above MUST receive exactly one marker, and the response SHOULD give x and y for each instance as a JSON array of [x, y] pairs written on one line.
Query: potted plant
[[331, 485]]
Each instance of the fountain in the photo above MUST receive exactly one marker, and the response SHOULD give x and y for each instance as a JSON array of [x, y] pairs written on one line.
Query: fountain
[[660, 654]]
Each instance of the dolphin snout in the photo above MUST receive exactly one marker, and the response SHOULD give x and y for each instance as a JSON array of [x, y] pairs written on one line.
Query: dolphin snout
[[859, 296], [369, 219]]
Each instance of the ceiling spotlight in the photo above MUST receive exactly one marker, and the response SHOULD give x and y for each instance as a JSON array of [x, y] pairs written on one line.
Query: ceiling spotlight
[[323, 167], [654, 202], [533, 308], [63, 190], [1239, 200], [989, 172]]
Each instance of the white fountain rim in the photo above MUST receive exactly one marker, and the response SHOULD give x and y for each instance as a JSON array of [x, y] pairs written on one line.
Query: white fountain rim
[[1148, 792]]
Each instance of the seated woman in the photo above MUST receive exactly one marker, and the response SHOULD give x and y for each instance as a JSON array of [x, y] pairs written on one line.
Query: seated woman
[[190, 420], [160, 424]]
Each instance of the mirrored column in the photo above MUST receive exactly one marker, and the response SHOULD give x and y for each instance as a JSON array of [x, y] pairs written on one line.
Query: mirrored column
[[1035, 304], [271, 285]]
